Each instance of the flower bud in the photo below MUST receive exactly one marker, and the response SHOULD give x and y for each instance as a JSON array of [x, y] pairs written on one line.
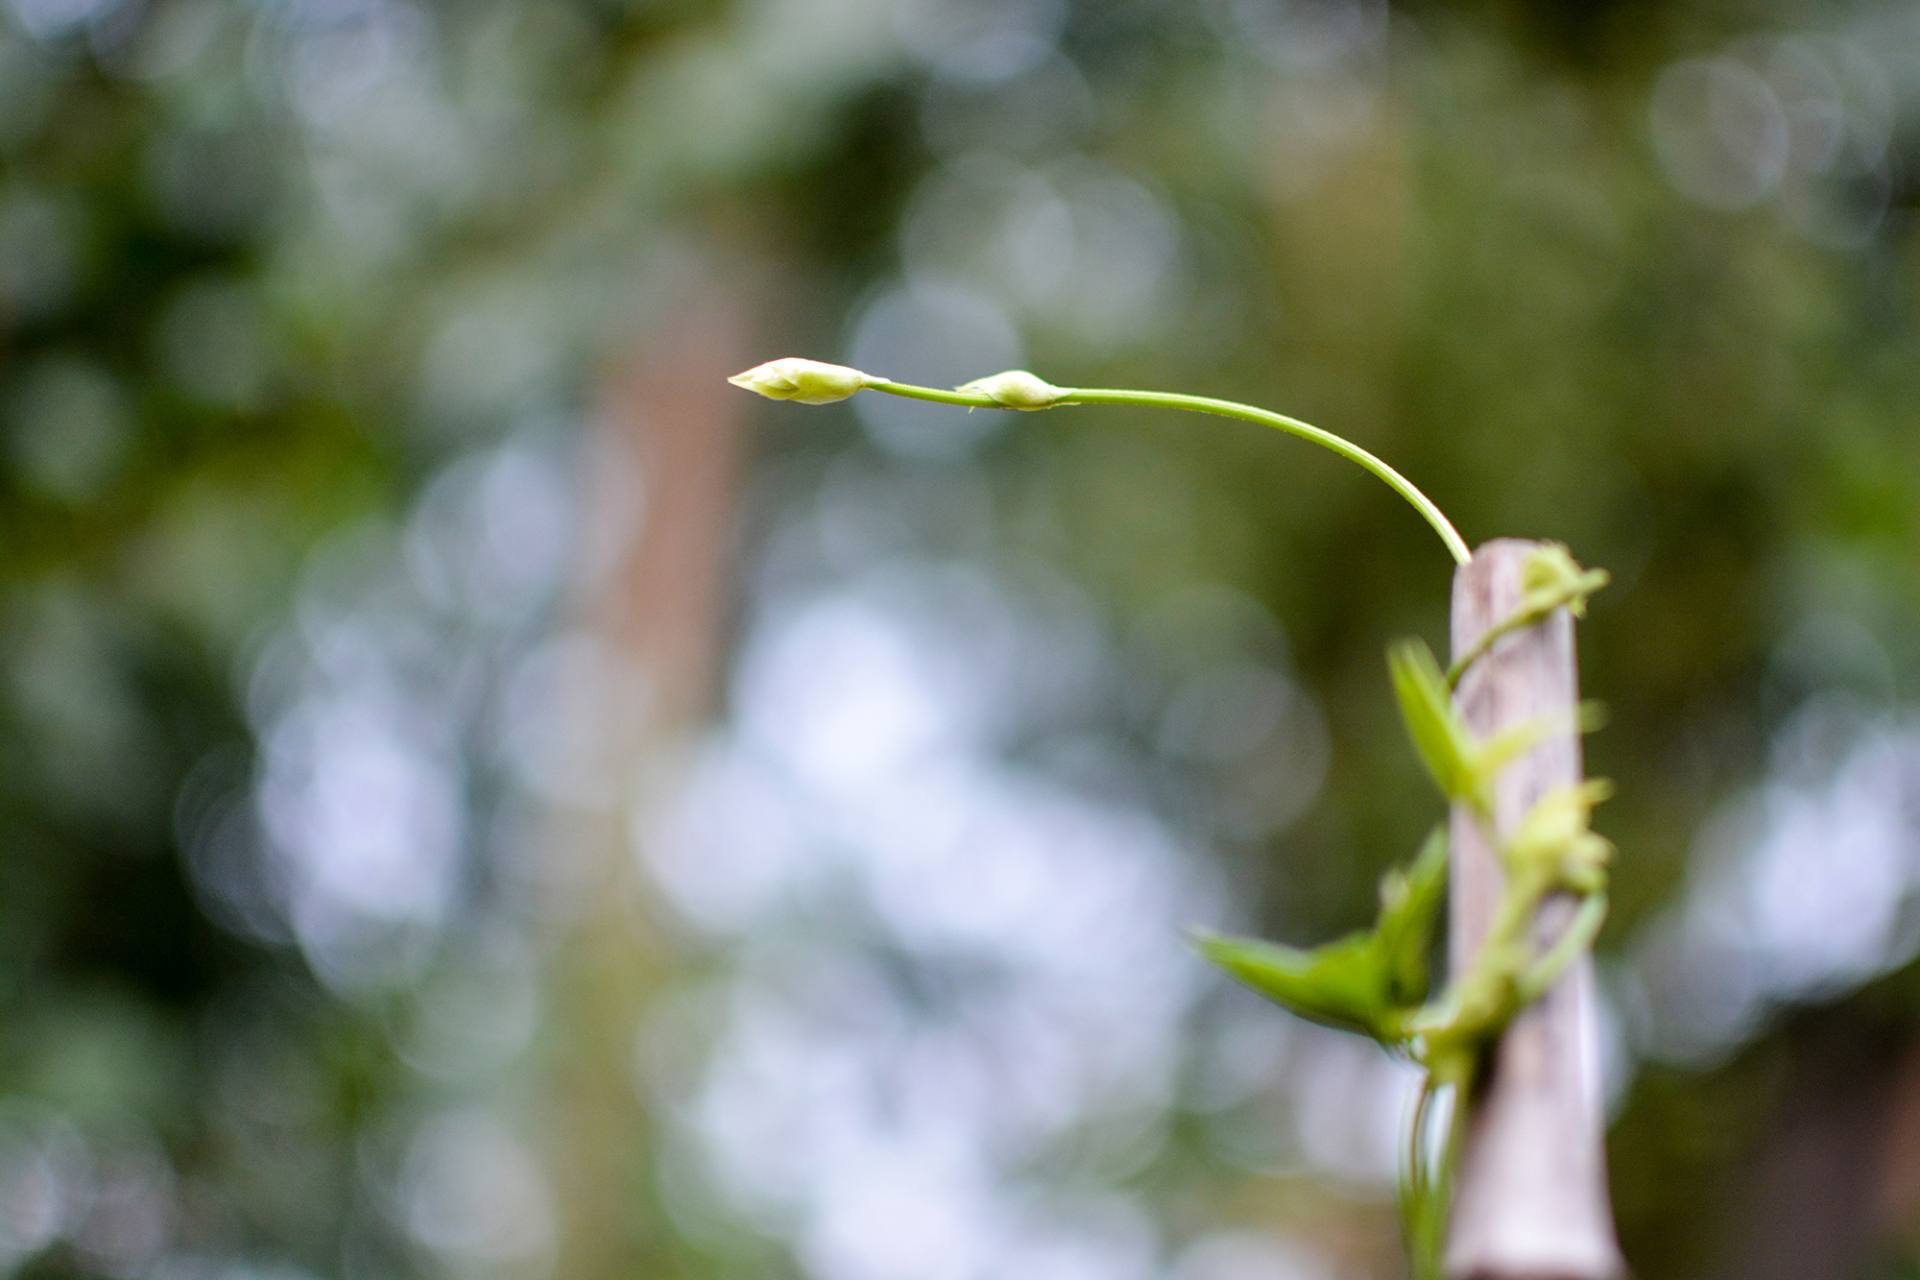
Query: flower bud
[[1550, 577], [808, 381], [1017, 389]]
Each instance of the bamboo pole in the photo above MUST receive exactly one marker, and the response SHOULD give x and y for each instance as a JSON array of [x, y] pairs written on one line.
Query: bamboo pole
[[1530, 1198]]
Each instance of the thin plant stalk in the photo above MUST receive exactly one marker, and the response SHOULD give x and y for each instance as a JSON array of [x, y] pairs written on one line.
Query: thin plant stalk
[[1431, 513]]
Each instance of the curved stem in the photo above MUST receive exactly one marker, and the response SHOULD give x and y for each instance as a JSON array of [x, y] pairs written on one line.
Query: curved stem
[[1484, 644], [1529, 613], [1456, 545]]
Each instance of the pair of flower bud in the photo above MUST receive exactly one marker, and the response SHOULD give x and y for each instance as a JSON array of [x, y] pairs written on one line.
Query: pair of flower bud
[[816, 382]]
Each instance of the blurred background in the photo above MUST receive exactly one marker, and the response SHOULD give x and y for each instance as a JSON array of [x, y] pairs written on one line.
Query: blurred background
[[483, 798]]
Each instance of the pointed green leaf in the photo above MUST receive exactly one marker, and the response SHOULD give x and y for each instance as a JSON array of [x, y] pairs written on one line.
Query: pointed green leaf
[[1410, 899], [1508, 745], [1341, 984], [1514, 741], [1440, 737]]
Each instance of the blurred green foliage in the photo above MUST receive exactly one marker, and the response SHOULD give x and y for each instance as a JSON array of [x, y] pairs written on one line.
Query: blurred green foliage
[[1638, 278]]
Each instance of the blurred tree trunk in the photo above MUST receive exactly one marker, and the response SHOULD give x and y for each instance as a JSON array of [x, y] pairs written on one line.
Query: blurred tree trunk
[[660, 499]]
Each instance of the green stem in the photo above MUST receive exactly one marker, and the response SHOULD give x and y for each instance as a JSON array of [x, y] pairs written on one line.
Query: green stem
[[1456, 545], [1488, 638], [966, 399], [1427, 1216], [1416, 1140], [1519, 620], [1573, 942], [1420, 1213], [1519, 899], [1450, 1150]]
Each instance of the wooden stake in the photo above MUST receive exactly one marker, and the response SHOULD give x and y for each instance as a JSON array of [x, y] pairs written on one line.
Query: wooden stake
[[1530, 1197]]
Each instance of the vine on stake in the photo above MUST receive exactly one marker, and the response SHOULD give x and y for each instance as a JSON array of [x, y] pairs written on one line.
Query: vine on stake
[[1377, 982]]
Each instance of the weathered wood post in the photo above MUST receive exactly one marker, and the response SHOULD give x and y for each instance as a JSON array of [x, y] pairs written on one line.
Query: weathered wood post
[[1530, 1199]]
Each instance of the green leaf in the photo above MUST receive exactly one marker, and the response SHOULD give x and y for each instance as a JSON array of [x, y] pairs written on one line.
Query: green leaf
[[1342, 984], [1410, 899], [1441, 738], [1514, 741], [1509, 744], [1365, 982]]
